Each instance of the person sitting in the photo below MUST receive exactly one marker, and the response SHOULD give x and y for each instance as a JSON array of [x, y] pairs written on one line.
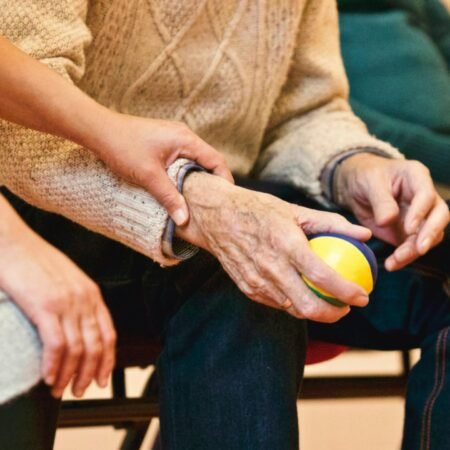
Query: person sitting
[[263, 83]]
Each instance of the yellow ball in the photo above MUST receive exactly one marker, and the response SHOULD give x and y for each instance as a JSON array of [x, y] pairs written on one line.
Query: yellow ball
[[351, 259]]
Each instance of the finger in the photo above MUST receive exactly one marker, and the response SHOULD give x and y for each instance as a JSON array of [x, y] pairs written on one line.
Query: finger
[[384, 206], [108, 336], [423, 201], [53, 340], [207, 157], [433, 227], [162, 188], [403, 255], [72, 356], [91, 357], [312, 222], [288, 292], [324, 277], [305, 303]]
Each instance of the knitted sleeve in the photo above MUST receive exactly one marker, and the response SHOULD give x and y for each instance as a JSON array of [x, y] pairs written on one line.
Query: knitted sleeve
[[55, 174], [312, 122]]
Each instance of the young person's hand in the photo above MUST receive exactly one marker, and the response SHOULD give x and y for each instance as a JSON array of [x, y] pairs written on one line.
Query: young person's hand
[[140, 150], [261, 242], [66, 307], [397, 200]]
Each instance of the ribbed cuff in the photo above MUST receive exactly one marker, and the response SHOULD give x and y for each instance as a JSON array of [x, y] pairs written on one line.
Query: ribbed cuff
[[140, 222], [172, 246]]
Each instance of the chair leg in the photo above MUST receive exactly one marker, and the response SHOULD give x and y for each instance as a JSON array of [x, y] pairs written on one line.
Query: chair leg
[[119, 388], [157, 443], [135, 436]]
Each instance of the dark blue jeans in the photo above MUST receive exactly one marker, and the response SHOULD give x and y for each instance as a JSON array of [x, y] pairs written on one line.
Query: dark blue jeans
[[231, 369]]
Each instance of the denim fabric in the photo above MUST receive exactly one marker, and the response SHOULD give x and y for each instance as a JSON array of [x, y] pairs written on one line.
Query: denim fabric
[[230, 369], [409, 309]]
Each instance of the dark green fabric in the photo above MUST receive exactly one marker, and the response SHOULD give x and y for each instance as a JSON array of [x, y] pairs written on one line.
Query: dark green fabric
[[397, 59]]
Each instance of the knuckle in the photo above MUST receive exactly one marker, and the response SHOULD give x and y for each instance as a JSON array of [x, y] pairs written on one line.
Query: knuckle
[[53, 300], [94, 350], [93, 290], [169, 199], [246, 289], [56, 346], [335, 217], [76, 349], [110, 339], [317, 276], [417, 166], [309, 310], [184, 133]]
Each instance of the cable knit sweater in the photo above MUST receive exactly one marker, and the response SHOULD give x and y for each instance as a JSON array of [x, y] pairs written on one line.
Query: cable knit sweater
[[262, 81]]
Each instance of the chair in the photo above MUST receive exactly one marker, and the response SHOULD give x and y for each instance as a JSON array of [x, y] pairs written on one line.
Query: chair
[[135, 414]]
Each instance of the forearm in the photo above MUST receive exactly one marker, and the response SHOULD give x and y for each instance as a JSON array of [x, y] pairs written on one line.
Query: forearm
[[10, 222], [36, 97]]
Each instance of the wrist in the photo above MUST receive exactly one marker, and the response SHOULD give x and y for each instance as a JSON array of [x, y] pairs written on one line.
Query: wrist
[[99, 131], [348, 170], [207, 197]]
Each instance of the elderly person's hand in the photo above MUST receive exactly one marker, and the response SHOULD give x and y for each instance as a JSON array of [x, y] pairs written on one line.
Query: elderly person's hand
[[261, 243], [67, 308], [396, 199]]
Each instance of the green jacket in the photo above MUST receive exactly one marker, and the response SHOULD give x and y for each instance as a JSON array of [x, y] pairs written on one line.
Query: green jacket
[[397, 56]]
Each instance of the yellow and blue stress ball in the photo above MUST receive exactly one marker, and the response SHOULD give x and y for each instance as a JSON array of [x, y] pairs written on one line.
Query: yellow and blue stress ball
[[350, 258]]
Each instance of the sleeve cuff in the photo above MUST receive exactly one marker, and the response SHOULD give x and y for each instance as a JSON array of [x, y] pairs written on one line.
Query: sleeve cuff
[[172, 246]]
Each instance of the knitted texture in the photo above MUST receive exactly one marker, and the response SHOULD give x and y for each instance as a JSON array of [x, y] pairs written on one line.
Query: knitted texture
[[262, 82], [20, 351]]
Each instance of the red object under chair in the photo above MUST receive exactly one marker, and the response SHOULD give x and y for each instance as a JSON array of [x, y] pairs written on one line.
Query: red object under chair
[[319, 351]]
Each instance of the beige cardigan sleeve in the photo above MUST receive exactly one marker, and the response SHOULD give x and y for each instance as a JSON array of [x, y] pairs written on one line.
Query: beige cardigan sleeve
[[55, 174], [312, 121]]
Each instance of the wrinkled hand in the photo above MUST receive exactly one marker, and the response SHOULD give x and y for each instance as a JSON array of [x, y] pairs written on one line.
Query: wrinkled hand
[[261, 243], [73, 323], [396, 199], [139, 150]]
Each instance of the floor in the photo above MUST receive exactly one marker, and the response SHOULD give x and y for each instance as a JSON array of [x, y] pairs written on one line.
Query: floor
[[369, 424]]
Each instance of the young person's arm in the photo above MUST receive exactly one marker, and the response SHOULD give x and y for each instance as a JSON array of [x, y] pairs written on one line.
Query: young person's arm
[[138, 150], [66, 307]]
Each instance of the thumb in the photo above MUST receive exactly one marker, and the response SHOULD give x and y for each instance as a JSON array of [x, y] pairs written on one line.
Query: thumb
[[384, 206], [162, 188], [326, 222]]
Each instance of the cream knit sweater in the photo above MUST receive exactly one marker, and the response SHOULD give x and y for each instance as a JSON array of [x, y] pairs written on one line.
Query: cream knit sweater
[[260, 80]]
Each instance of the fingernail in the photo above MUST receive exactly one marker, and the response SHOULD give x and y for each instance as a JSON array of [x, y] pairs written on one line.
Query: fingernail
[[425, 245], [103, 382], [389, 264], [179, 216]]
